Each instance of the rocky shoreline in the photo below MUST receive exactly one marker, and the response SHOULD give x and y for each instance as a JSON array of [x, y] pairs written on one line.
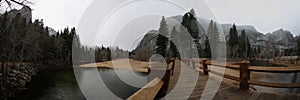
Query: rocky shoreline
[[16, 79]]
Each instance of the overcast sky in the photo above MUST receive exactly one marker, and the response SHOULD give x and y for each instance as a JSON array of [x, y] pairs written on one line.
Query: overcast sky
[[265, 15]]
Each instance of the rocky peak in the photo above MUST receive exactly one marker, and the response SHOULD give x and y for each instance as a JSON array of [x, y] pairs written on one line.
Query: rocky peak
[[149, 41], [281, 36], [51, 31], [25, 12]]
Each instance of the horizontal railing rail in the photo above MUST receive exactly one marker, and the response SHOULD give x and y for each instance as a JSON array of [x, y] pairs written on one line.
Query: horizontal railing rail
[[245, 69]]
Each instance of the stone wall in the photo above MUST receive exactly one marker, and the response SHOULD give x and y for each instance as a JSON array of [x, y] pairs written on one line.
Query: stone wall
[[15, 80]]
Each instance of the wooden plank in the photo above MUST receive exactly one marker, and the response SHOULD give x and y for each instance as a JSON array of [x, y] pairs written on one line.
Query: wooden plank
[[274, 69], [227, 65], [235, 65], [276, 85], [253, 95], [149, 91], [226, 76], [266, 96]]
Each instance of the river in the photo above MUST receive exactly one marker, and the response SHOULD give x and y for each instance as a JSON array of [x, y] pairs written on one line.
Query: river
[[61, 84], [275, 78]]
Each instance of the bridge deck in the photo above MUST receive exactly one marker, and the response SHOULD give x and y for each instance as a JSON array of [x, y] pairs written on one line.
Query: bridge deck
[[226, 91]]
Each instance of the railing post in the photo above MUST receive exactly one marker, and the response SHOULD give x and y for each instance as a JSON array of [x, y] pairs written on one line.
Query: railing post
[[173, 66], [193, 64], [204, 65], [165, 78], [244, 76]]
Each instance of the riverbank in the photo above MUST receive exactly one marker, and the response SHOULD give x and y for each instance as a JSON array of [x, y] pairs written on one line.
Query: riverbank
[[15, 80]]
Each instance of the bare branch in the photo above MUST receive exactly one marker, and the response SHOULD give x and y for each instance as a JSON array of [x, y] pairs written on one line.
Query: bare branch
[[19, 3]]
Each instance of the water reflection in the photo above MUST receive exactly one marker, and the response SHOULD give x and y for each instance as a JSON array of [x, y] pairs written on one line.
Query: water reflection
[[105, 83], [61, 84]]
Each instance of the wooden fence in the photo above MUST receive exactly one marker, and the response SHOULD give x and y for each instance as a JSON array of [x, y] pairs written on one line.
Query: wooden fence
[[245, 69], [157, 88]]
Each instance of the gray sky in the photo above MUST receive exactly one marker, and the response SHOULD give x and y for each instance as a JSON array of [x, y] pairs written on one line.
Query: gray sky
[[265, 15], [59, 14]]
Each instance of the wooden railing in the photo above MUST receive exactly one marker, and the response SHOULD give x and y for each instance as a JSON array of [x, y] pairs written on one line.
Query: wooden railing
[[158, 87], [245, 69], [149, 91]]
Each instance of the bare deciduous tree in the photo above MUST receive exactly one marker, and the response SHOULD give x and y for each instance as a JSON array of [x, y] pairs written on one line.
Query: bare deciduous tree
[[18, 2], [6, 5]]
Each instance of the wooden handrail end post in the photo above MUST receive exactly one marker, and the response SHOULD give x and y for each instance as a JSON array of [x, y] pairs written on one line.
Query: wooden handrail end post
[[204, 65], [244, 76]]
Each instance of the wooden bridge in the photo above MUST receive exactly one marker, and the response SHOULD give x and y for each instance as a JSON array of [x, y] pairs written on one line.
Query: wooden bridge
[[226, 89]]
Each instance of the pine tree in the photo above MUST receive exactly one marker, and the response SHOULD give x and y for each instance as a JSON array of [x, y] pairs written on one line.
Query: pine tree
[[207, 49], [233, 41], [174, 39], [185, 20], [162, 39], [192, 11], [190, 22], [213, 36], [216, 35], [248, 48], [242, 44], [210, 29]]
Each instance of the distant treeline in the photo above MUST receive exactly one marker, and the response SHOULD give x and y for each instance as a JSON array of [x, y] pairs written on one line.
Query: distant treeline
[[31, 42], [109, 53]]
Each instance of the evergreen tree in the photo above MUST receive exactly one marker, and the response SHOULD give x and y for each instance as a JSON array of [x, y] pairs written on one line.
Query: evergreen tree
[[207, 49], [185, 20], [242, 44], [26, 41], [174, 39], [248, 48], [213, 36], [216, 35], [210, 29], [192, 11], [233, 41], [162, 39], [190, 22]]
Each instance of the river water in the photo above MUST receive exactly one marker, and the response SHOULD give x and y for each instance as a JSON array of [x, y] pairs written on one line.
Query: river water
[[275, 78], [61, 84]]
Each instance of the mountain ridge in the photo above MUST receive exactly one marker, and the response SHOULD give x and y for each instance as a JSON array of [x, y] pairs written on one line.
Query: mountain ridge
[[280, 38]]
